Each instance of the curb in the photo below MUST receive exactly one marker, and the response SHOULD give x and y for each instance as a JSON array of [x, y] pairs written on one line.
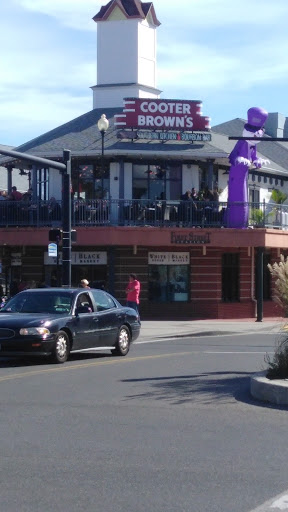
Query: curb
[[272, 391]]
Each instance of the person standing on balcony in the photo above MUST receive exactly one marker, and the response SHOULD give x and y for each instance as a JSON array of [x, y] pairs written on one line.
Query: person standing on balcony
[[15, 194], [133, 292]]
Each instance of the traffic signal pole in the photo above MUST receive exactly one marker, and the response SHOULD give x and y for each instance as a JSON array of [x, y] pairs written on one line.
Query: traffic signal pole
[[66, 221]]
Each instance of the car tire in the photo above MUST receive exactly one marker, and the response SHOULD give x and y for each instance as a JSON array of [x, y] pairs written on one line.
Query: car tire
[[122, 345], [62, 347]]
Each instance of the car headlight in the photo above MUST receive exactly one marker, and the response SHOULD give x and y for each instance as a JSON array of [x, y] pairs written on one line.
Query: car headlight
[[31, 331]]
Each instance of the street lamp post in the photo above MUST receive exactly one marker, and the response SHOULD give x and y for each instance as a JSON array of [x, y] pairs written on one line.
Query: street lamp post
[[103, 125]]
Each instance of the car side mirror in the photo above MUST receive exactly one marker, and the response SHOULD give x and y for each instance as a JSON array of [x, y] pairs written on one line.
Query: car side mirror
[[83, 309]]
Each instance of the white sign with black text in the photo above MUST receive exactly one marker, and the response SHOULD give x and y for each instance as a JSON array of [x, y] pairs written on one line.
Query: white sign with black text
[[79, 258], [168, 258]]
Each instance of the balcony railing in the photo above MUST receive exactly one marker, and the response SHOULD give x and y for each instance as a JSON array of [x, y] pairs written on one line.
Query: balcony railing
[[123, 212]]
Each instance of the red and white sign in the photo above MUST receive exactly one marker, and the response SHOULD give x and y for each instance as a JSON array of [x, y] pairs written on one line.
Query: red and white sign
[[162, 115]]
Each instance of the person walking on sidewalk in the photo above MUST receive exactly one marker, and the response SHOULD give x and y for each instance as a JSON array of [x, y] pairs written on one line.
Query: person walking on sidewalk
[[84, 283], [133, 292]]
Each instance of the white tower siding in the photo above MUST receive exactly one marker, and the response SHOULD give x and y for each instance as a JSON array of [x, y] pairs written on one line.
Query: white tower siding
[[117, 52], [147, 55]]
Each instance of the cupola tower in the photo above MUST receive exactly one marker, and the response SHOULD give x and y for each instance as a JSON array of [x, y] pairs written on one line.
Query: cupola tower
[[126, 52]]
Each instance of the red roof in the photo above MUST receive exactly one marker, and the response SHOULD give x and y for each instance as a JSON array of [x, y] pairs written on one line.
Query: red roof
[[130, 8]]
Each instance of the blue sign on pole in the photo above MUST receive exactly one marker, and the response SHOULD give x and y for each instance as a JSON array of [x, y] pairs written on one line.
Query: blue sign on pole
[[52, 250]]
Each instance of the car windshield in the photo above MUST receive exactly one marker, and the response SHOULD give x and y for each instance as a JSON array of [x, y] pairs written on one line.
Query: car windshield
[[51, 302]]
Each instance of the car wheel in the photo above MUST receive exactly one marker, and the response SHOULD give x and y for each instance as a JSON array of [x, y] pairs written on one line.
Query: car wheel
[[62, 347], [123, 342]]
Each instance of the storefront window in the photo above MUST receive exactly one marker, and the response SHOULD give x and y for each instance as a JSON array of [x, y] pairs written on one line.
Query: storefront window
[[90, 181], [168, 283], [157, 182]]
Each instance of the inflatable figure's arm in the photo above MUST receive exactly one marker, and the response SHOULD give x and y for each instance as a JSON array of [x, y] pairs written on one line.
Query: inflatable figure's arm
[[240, 153], [258, 162]]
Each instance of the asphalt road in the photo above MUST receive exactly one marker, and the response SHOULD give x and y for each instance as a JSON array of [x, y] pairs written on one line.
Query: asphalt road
[[171, 427]]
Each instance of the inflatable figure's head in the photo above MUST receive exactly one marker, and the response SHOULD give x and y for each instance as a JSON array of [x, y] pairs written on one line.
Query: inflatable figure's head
[[256, 118]]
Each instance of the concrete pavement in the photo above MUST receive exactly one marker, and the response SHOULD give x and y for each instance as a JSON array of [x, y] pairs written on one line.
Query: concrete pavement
[[157, 329], [273, 391]]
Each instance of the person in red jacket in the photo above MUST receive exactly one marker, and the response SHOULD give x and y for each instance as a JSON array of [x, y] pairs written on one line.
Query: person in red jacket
[[133, 292], [16, 196]]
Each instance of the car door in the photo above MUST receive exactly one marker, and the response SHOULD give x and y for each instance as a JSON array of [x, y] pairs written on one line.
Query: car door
[[85, 324], [110, 318]]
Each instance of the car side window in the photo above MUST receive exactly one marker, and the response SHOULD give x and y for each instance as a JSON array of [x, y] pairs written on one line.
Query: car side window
[[103, 301], [84, 300]]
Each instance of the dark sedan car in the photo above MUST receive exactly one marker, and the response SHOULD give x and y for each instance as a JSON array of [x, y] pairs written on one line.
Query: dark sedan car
[[57, 321]]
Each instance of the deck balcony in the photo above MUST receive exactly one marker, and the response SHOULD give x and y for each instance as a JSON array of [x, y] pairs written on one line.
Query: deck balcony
[[123, 212]]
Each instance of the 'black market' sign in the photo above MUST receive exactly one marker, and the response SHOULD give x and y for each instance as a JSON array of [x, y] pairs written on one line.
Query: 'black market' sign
[[189, 238]]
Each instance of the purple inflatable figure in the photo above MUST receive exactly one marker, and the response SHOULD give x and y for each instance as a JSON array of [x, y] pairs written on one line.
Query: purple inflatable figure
[[243, 154]]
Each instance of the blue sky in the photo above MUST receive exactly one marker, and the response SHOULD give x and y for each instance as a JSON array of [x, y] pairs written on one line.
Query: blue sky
[[231, 55]]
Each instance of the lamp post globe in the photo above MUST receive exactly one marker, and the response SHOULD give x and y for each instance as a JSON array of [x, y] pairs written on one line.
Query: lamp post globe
[[103, 124]]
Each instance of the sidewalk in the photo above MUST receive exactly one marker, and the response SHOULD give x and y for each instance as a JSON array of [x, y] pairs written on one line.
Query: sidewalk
[[157, 329]]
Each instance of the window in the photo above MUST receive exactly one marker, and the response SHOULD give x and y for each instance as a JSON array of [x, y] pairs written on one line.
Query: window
[[157, 181], [83, 300], [90, 182], [254, 196], [43, 184], [168, 283], [103, 301], [230, 277]]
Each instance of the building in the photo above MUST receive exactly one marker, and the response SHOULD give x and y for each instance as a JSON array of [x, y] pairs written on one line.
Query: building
[[127, 184]]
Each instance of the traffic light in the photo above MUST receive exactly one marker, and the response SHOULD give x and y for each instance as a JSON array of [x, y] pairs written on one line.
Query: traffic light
[[55, 235], [73, 235]]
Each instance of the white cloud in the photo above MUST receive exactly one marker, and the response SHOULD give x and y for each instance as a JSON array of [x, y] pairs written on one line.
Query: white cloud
[[72, 13], [206, 50]]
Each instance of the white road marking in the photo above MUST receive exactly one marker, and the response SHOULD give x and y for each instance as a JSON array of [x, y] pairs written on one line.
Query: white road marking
[[275, 504], [281, 503]]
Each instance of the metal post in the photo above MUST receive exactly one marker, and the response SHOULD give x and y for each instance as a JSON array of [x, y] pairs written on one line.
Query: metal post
[[102, 150], [210, 174], [111, 277], [9, 178], [259, 290], [66, 221]]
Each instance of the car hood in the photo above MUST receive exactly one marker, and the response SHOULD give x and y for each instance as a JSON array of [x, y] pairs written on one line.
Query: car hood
[[18, 320]]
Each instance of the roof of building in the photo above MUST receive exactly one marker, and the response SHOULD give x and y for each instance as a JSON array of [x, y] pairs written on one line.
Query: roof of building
[[82, 137], [130, 8]]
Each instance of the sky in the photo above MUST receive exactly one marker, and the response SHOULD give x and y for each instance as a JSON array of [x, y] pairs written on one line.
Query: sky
[[230, 55]]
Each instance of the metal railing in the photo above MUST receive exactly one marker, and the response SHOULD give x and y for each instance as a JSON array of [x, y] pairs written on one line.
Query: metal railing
[[123, 212]]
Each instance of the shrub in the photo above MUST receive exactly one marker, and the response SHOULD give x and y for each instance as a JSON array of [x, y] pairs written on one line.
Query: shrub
[[278, 196], [278, 365], [280, 272], [257, 216]]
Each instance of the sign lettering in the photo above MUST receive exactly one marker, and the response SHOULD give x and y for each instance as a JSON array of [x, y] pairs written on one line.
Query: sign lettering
[[189, 238], [150, 135], [162, 115], [168, 258], [79, 258]]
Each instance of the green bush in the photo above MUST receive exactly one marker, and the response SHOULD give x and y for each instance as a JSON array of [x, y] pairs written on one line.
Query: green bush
[[257, 216], [277, 367]]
